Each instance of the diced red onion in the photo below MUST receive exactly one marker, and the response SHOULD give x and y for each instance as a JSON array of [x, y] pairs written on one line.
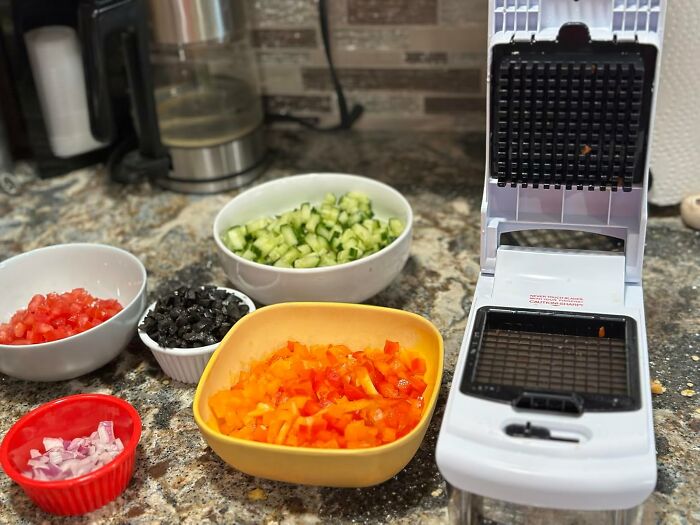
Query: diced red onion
[[65, 459]]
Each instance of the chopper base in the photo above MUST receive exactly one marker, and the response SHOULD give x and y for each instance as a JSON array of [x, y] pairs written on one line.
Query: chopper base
[[466, 508], [580, 446]]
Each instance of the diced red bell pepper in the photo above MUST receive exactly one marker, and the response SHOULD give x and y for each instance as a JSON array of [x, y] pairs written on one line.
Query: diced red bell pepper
[[324, 396]]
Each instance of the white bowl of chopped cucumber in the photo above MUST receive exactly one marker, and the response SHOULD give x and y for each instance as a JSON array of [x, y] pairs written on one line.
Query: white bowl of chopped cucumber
[[314, 237]]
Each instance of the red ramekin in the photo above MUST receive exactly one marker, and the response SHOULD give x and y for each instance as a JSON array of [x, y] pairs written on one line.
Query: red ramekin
[[68, 418]]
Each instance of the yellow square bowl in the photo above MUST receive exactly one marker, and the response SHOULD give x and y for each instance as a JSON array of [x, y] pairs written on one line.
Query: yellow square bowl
[[260, 333]]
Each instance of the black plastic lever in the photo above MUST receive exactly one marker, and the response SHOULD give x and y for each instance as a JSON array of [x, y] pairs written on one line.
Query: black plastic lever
[[533, 432]]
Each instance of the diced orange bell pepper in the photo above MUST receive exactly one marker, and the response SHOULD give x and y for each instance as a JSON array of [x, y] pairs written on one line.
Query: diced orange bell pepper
[[391, 347], [325, 396]]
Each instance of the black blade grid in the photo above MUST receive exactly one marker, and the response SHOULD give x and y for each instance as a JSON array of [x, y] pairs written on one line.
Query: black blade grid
[[577, 121], [529, 357], [553, 363]]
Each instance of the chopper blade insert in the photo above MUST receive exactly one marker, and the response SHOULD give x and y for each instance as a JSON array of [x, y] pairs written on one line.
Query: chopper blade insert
[[524, 356], [570, 118]]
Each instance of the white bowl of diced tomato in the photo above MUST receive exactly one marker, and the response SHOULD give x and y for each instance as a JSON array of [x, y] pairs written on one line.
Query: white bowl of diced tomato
[[67, 309]]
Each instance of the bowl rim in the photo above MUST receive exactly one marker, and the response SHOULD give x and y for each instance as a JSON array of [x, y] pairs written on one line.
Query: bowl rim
[[197, 350], [104, 470], [428, 409], [319, 269], [121, 313]]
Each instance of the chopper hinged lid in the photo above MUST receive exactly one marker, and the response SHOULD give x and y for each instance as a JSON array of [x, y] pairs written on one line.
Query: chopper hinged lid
[[571, 94]]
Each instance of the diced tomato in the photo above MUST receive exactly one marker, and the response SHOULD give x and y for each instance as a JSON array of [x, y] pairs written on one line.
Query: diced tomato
[[19, 330], [56, 316]]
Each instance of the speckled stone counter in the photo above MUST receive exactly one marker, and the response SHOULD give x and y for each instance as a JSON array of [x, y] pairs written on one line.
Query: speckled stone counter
[[178, 479]]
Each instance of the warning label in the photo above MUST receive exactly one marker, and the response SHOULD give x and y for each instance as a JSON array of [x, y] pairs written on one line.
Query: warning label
[[556, 300]]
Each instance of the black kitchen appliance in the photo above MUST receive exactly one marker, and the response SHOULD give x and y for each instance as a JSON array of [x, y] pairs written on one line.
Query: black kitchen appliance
[[114, 43], [185, 112]]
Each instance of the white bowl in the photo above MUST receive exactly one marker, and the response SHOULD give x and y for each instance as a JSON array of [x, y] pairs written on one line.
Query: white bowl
[[105, 272], [350, 282], [185, 364]]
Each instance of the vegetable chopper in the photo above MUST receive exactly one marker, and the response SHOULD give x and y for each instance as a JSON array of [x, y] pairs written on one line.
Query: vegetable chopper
[[550, 405]]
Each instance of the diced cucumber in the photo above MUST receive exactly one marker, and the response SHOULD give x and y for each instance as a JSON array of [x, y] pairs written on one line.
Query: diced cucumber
[[277, 252], [324, 232], [349, 205], [305, 212], [343, 256], [356, 218], [289, 236], [313, 240], [327, 259], [371, 224], [395, 227], [257, 224], [330, 215], [235, 238], [351, 243], [308, 261], [347, 235], [336, 230], [355, 253], [362, 233], [295, 219], [313, 221], [359, 197], [265, 245], [289, 257], [249, 254]]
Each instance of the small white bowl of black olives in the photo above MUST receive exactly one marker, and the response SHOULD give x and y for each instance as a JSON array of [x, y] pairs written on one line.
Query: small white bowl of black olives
[[183, 328]]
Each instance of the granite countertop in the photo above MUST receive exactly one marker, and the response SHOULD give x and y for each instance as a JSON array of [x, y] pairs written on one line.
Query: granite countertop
[[178, 479]]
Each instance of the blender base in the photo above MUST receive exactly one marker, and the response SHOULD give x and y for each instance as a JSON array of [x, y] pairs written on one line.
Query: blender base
[[218, 168]]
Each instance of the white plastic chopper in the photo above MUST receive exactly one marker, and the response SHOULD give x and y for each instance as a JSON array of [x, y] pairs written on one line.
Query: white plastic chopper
[[550, 405]]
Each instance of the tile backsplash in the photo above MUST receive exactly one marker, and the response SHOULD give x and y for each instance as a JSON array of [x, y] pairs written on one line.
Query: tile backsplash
[[410, 63]]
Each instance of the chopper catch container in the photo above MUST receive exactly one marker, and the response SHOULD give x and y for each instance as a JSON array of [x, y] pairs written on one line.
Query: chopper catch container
[[550, 404]]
